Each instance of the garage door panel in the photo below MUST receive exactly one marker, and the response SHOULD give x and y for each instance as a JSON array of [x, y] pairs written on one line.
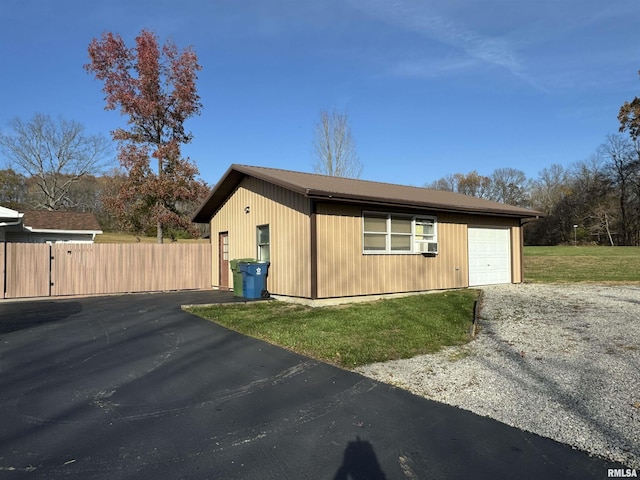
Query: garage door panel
[[489, 256]]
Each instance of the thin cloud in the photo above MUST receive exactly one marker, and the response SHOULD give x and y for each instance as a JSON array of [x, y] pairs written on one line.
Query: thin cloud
[[420, 19], [433, 68]]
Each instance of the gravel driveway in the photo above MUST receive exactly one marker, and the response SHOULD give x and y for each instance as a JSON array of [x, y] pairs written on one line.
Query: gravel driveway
[[562, 361]]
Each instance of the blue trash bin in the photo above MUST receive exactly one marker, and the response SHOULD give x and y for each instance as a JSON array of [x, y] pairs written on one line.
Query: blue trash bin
[[254, 279]]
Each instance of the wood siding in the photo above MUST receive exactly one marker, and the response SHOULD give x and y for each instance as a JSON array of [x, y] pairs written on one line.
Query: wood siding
[[517, 243], [288, 216], [343, 269], [36, 270]]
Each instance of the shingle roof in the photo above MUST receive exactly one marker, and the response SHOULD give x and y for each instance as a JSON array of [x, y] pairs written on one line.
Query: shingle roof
[[55, 220], [339, 189]]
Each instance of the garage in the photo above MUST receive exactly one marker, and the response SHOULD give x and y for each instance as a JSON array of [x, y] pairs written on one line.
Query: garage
[[489, 256]]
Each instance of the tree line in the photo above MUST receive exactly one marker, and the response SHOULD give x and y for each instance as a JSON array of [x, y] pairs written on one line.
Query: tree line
[[89, 193], [54, 164], [594, 201]]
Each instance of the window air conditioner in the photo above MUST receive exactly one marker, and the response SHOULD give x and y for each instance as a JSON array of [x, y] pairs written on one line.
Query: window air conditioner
[[427, 247]]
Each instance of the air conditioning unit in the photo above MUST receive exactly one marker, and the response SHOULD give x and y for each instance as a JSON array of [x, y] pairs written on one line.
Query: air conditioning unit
[[427, 247]]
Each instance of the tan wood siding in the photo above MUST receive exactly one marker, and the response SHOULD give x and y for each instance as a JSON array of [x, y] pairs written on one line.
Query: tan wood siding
[[343, 269], [288, 216], [516, 254]]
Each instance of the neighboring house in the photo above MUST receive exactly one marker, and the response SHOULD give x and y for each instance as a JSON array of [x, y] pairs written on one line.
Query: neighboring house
[[335, 237], [9, 220], [47, 226]]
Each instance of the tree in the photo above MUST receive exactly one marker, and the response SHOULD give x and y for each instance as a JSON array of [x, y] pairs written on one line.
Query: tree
[[472, 184], [13, 189], [629, 117], [56, 154], [156, 89], [510, 186], [622, 160], [334, 146], [550, 188]]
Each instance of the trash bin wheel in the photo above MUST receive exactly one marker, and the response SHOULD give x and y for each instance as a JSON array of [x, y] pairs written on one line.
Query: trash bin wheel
[[264, 294]]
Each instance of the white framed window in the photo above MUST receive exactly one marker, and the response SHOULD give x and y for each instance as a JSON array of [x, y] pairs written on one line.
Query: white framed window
[[425, 235], [392, 233], [263, 241]]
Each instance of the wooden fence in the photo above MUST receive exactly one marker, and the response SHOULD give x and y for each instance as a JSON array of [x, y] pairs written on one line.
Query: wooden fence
[[41, 270]]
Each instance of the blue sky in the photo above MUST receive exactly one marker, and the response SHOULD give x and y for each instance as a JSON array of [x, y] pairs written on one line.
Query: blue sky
[[430, 87]]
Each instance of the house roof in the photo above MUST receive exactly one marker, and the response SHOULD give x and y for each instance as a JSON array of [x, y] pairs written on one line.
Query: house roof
[[8, 214], [349, 190], [45, 220]]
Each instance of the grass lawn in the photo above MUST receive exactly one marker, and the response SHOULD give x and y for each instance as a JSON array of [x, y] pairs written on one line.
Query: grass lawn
[[115, 237], [356, 334], [568, 264]]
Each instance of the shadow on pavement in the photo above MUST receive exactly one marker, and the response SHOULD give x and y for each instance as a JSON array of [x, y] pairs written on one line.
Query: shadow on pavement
[[359, 462], [20, 315]]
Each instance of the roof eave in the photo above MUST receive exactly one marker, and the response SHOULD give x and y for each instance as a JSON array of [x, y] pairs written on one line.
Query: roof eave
[[317, 195], [236, 173], [208, 207]]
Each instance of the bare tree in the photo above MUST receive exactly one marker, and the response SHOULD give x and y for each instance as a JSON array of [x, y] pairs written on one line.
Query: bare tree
[[56, 154], [622, 157], [510, 186], [13, 189], [448, 183], [472, 184], [334, 146], [550, 188]]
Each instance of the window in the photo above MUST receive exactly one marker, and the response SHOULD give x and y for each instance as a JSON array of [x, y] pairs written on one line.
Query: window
[[425, 233], [395, 233], [263, 243]]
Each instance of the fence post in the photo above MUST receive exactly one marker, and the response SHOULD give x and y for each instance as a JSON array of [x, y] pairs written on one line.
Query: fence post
[[3, 279], [50, 268]]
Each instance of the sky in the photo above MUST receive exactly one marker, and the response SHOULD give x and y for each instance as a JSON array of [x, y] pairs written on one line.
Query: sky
[[430, 87]]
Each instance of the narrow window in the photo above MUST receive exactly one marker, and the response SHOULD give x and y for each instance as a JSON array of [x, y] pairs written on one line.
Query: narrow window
[[263, 243], [375, 233], [400, 238]]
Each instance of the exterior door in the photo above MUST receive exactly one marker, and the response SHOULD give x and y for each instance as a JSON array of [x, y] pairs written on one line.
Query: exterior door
[[489, 256], [223, 260]]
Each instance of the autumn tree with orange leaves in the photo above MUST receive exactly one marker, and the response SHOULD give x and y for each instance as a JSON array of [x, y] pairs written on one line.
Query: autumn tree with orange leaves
[[629, 117], [155, 87]]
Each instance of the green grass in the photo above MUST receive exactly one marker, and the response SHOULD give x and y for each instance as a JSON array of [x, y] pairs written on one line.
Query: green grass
[[356, 334], [568, 264]]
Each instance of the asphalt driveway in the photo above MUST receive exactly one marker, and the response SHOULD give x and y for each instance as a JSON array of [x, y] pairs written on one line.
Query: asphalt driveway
[[132, 387]]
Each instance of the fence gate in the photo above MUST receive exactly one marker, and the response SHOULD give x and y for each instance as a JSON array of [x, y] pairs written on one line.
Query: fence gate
[[27, 269], [40, 270]]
